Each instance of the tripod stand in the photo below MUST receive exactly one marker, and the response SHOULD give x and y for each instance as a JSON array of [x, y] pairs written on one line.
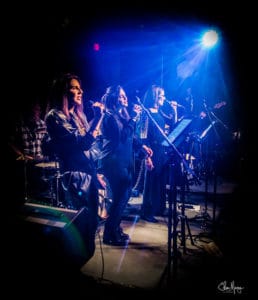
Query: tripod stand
[[210, 175], [182, 217], [177, 182]]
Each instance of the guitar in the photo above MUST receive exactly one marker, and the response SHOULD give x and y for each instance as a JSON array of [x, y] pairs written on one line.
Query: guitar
[[219, 105]]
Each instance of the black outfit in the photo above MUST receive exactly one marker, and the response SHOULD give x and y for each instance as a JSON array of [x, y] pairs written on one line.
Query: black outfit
[[154, 193], [71, 146], [169, 115], [117, 165]]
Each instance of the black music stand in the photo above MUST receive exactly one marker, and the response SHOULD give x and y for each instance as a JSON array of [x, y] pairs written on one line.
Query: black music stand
[[177, 164]]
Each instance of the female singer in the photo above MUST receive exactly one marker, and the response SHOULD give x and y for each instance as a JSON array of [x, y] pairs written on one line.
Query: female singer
[[71, 141]]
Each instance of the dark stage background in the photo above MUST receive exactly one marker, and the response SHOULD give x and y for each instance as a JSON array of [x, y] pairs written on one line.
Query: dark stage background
[[138, 46]]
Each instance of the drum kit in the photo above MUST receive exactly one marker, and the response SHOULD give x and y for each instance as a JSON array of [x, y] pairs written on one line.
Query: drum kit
[[41, 181], [51, 175]]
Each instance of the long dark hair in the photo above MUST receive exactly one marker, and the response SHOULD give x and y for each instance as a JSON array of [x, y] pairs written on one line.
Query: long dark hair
[[110, 98], [151, 96], [59, 95]]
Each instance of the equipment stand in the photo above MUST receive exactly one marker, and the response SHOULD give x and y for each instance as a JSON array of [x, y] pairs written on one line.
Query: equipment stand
[[176, 165], [182, 217], [172, 223], [176, 171], [205, 216], [55, 187], [210, 168]]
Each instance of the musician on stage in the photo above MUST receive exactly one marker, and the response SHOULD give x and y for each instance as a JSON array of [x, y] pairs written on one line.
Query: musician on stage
[[154, 193], [26, 145], [71, 140]]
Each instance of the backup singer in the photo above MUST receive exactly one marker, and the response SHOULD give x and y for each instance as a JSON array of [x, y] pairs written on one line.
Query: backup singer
[[71, 141], [119, 142], [154, 193]]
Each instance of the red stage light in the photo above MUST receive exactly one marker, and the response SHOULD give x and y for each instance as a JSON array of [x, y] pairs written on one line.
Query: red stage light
[[96, 47]]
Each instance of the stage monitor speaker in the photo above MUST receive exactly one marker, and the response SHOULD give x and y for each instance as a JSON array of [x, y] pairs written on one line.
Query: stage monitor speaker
[[58, 233], [49, 216]]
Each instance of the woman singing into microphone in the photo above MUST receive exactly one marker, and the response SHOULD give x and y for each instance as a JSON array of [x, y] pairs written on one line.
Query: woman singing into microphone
[[116, 163], [72, 138], [154, 193]]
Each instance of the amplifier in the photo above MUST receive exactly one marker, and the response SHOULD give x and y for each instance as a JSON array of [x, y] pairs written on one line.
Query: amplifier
[[59, 232], [49, 216]]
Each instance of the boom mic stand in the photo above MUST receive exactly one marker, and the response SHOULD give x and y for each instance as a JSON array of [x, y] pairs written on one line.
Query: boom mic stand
[[210, 168], [173, 217]]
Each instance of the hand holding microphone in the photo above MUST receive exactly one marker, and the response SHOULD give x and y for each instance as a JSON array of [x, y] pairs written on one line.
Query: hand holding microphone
[[137, 109], [98, 108], [136, 112]]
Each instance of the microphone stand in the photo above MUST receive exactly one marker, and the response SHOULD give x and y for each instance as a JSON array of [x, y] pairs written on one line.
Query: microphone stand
[[167, 139], [212, 121], [209, 114], [172, 197], [219, 120]]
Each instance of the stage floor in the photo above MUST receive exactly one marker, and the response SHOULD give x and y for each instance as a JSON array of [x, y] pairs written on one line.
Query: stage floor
[[211, 252]]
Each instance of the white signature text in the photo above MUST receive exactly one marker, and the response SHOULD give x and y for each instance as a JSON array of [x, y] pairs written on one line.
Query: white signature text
[[230, 288]]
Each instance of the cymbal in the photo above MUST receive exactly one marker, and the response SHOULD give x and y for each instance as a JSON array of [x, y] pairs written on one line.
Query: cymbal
[[24, 157], [47, 165]]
